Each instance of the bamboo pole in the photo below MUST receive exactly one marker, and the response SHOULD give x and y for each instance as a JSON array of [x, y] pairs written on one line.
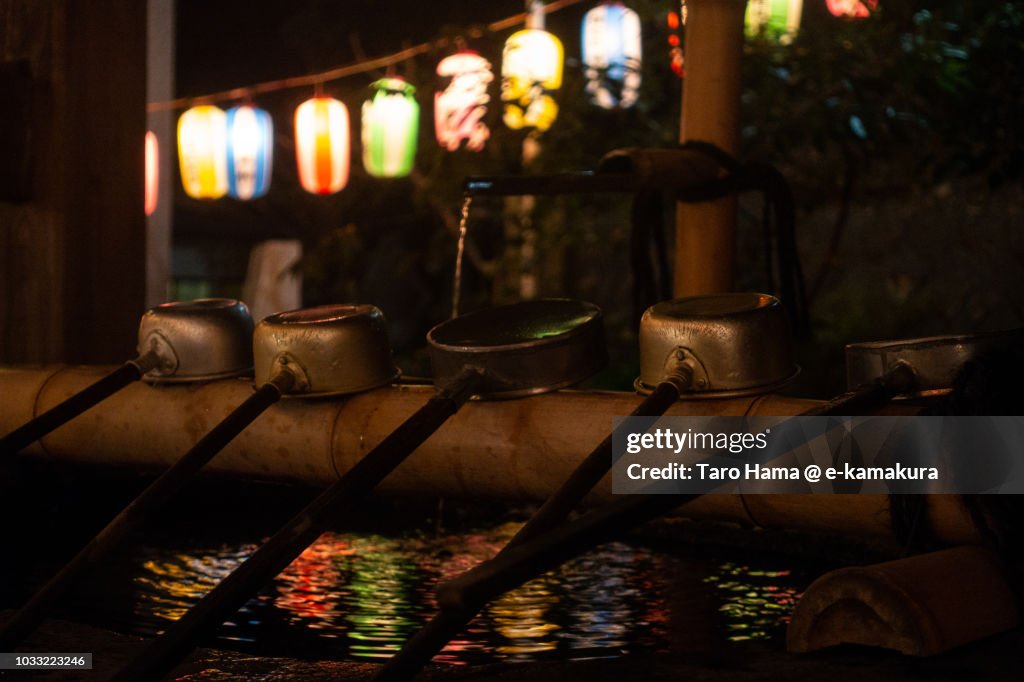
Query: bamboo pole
[[920, 606], [705, 251], [512, 450]]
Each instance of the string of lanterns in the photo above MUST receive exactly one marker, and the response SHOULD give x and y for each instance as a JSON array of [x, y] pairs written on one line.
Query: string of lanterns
[[231, 153]]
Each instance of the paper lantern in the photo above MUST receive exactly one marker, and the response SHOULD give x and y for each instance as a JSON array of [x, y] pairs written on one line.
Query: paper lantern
[[852, 9], [780, 17], [531, 70], [250, 151], [202, 152], [611, 55], [459, 107], [152, 172], [676, 22], [390, 127], [322, 145]]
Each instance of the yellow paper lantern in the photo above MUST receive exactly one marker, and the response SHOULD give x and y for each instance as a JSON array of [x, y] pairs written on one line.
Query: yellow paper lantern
[[152, 172], [202, 152], [322, 145], [531, 70]]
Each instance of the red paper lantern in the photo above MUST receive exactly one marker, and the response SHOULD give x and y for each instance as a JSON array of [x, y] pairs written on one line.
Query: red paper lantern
[[852, 9], [152, 172]]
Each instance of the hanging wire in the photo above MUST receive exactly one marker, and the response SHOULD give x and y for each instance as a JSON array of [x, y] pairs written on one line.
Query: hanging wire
[[357, 67], [357, 49]]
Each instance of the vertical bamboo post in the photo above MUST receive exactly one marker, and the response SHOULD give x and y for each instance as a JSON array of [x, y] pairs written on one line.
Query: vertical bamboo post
[[520, 230], [160, 86], [706, 231]]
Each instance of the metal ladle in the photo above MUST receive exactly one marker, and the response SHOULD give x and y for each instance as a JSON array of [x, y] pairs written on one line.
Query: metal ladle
[[330, 350], [516, 350], [877, 371], [179, 342]]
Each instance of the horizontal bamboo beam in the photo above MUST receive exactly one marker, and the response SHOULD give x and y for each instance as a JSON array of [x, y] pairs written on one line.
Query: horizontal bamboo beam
[[513, 450]]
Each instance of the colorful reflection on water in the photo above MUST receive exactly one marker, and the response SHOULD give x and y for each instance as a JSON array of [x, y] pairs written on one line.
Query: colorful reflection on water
[[362, 595], [757, 603]]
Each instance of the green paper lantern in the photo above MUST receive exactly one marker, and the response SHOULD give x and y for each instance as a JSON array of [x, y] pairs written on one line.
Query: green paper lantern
[[390, 128]]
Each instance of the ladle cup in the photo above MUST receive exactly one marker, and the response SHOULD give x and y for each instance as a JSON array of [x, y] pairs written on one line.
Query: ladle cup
[[185, 341]]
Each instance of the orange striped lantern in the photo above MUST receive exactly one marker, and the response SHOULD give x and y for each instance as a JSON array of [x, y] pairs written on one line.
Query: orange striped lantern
[[152, 166], [322, 145]]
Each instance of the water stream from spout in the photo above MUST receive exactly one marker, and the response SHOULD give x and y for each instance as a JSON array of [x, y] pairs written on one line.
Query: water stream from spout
[[467, 202]]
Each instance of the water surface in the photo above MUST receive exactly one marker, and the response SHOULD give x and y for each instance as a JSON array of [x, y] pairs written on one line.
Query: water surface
[[360, 595]]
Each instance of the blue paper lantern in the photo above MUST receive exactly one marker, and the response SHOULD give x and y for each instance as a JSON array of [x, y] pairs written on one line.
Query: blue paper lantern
[[250, 142]]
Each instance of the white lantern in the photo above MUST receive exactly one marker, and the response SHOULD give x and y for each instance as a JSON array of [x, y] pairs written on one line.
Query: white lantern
[[460, 107], [612, 55]]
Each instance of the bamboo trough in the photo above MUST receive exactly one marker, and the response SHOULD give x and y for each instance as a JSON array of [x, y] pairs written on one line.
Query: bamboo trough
[[506, 450]]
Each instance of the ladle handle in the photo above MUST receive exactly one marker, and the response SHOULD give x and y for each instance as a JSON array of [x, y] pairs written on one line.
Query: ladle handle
[[134, 515], [544, 541], [62, 413], [897, 379], [474, 588], [430, 639], [510, 569], [284, 546], [590, 471]]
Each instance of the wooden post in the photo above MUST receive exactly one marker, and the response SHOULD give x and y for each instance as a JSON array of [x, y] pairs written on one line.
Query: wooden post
[[72, 257], [706, 231], [104, 220]]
